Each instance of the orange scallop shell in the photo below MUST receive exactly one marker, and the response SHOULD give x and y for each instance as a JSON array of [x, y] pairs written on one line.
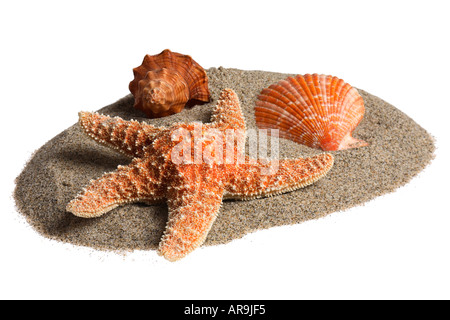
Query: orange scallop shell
[[319, 111], [164, 83]]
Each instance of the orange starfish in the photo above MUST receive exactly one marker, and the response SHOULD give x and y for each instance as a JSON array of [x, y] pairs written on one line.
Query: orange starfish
[[162, 169]]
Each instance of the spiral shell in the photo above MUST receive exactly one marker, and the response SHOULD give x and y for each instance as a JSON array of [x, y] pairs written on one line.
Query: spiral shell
[[164, 83], [319, 111]]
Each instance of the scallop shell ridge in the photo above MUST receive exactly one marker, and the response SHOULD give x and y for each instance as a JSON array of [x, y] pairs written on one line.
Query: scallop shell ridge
[[319, 111], [164, 83]]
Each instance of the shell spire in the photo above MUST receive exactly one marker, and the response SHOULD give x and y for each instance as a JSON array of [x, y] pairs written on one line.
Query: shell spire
[[164, 83], [319, 111]]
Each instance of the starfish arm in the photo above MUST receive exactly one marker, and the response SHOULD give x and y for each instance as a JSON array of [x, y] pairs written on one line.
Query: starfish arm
[[127, 137], [193, 208], [227, 113], [132, 183], [269, 178]]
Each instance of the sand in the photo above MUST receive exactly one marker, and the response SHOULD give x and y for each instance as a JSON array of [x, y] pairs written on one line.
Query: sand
[[399, 149]]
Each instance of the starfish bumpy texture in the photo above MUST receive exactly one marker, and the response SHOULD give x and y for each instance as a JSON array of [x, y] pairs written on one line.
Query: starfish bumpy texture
[[193, 190]]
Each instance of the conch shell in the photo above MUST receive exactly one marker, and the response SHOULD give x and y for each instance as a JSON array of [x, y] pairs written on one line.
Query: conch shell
[[319, 111], [164, 83]]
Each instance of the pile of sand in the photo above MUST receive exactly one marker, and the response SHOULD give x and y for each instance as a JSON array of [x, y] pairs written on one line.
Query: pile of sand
[[399, 149]]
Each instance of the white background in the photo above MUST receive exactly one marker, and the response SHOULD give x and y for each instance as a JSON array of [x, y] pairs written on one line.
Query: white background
[[59, 58]]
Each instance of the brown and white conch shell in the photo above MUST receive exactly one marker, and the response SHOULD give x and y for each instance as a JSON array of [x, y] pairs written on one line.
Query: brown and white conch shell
[[319, 111], [164, 83]]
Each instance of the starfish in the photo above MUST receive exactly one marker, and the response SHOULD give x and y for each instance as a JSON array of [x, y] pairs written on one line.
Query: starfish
[[193, 190]]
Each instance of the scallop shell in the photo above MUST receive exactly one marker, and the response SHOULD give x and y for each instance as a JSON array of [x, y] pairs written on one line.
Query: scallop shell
[[164, 83], [319, 111]]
